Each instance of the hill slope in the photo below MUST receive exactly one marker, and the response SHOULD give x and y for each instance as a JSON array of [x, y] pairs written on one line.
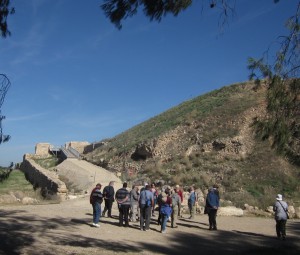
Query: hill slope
[[210, 139]]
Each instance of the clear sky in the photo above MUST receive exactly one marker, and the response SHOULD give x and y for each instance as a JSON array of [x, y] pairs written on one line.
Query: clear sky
[[75, 77]]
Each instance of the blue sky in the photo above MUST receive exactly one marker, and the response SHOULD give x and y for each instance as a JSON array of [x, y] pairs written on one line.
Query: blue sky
[[75, 77]]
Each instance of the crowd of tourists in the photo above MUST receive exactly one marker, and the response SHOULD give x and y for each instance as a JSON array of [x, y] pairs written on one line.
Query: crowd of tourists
[[140, 204]]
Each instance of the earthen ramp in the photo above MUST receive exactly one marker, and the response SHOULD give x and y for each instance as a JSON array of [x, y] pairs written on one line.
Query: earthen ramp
[[81, 176]]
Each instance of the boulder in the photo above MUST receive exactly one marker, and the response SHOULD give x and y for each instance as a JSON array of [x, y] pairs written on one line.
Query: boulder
[[70, 197], [7, 199], [28, 201], [291, 211], [249, 208], [269, 209], [230, 211], [297, 212], [19, 194]]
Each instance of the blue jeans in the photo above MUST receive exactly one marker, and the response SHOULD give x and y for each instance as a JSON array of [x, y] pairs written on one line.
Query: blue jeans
[[96, 212], [164, 220]]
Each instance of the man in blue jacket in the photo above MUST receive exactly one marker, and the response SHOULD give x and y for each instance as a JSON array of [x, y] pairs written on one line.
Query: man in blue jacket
[[212, 204]]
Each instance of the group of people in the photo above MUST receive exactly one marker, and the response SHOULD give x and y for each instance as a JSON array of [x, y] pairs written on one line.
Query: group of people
[[138, 204], [141, 204]]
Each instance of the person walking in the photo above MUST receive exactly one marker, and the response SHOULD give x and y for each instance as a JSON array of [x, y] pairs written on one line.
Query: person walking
[[134, 203], [165, 209], [212, 205], [146, 202], [281, 215], [123, 200], [176, 205], [192, 202], [108, 194], [96, 199]]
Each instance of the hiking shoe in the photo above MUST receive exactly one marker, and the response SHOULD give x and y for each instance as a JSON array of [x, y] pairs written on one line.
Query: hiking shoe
[[163, 231], [96, 225]]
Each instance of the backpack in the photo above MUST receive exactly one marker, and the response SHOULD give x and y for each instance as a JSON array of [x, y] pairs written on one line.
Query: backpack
[[166, 209], [193, 198], [148, 202]]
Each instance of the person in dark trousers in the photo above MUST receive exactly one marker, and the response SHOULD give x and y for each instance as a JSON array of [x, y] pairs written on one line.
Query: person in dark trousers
[[280, 208], [108, 194], [212, 204], [146, 203], [96, 199], [123, 200]]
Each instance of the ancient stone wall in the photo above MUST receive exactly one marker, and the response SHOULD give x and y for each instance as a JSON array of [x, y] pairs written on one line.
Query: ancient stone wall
[[79, 146], [90, 147], [42, 149], [42, 178]]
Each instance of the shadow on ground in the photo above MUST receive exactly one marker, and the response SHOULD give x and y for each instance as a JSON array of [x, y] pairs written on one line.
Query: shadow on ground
[[19, 232]]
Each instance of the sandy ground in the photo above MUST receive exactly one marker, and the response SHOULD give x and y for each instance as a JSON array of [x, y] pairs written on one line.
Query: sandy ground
[[66, 229]]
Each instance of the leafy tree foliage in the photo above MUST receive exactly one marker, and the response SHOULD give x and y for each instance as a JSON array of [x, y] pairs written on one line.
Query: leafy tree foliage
[[4, 86], [5, 10], [118, 10], [282, 123]]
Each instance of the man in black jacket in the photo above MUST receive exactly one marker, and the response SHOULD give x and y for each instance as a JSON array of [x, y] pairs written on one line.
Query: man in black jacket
[[108, 194]]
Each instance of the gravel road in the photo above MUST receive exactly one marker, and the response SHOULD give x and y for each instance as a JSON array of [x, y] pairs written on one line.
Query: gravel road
[[65, 228]]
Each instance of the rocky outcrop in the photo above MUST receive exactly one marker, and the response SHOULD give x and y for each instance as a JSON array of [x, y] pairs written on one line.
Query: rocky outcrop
[[42, 178], [142, 152]]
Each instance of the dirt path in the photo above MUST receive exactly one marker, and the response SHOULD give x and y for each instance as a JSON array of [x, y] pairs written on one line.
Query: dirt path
[[65, 229]]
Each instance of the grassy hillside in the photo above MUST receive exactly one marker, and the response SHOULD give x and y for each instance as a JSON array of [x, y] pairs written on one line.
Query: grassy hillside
[[16, 181], [209, 139]]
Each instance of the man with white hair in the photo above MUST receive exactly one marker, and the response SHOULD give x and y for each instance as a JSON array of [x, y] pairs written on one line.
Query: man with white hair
[[281, 215], [108, 194], [145, 203]]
